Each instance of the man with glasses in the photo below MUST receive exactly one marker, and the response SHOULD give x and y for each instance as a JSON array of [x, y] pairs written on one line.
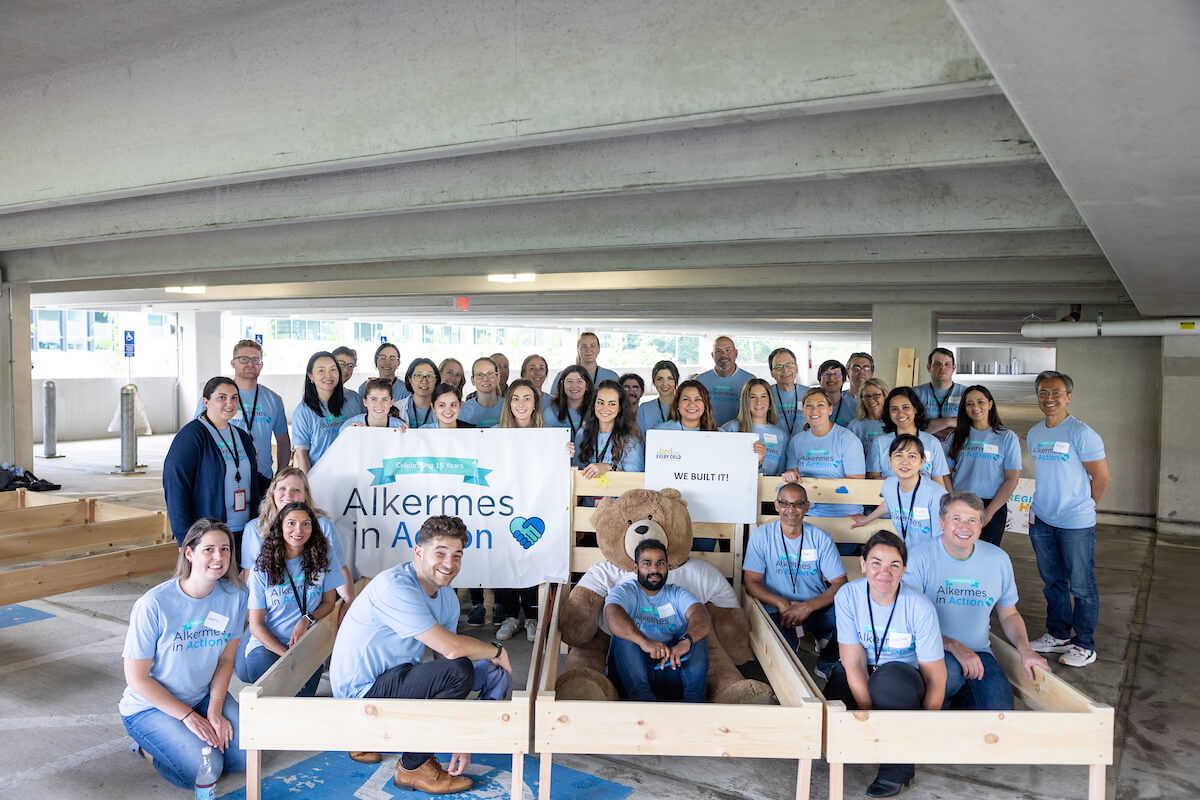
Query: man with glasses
[[941, 395], [347, 360], [724, 381], [832, 376], [862, 369], [1071, 474], [794, 569], [258, 404], [787, 394]]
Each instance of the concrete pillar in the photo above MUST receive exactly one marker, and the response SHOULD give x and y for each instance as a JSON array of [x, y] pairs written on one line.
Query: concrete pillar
[[1179, 442], [201, 357], [16, 377], [896, 325]]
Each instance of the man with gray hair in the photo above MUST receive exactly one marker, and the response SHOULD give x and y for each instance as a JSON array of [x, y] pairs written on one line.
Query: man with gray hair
[[966, 579]]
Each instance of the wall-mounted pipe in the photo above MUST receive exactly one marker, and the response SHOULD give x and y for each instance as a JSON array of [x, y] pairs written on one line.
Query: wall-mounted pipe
[[1174, 326]]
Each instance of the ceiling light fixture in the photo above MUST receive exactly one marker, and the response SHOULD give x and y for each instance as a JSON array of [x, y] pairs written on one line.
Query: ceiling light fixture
[[508, 277], [184, 289]]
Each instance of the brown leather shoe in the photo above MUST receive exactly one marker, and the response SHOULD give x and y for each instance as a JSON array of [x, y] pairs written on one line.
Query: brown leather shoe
[[365, 757], [430, 778]]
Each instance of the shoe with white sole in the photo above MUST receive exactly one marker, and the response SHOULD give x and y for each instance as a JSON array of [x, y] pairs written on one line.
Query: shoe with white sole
[[1077, 656], [508, 628], [531, 629], [1049, 643]]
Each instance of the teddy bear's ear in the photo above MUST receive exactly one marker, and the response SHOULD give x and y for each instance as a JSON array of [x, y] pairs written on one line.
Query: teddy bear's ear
[[604, 503], [673, 494]]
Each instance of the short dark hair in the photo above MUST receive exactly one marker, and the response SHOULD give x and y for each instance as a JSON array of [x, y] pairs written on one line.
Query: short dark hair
[[648, 544], [886, 539], [345, 351], [970, 498], [941, 350], [797, 486], [444, 527], [867, 356], [904, 440], [632, 376], [1049, 374], [829, 364]]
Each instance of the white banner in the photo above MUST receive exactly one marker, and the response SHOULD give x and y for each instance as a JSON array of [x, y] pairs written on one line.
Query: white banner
[[511, 488], [1018, 507], [717, 473]]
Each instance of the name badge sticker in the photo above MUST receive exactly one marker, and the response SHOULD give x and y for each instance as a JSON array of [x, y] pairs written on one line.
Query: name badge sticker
[[920, 513], [666, 610], [770, 438], [218, 622], [808, 555], [1062, 447], [991, 449], [899, 641]]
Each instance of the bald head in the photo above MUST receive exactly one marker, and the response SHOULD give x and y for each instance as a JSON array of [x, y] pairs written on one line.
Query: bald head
[[724, 356]]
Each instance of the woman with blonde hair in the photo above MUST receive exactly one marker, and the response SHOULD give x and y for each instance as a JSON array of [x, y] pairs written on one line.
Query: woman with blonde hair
[[756, 414]]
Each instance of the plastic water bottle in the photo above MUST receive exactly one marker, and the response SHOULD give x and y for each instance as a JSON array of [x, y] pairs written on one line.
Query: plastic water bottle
[[206, 777]]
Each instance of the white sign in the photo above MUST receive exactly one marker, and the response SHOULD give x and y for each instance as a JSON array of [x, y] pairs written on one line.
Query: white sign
[[510, 487], [717, 473], [1018, 507]]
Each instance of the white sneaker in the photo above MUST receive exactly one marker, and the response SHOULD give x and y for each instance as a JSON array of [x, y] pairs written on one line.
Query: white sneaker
[[1049, 643], [508, 628], [1077, 657], [531, 629]]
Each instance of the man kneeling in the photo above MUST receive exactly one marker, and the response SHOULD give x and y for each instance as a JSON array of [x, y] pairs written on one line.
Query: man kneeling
[[381, 643], [658, 649]]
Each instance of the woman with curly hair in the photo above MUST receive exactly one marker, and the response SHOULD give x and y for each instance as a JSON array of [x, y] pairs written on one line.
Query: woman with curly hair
[[291, 587]]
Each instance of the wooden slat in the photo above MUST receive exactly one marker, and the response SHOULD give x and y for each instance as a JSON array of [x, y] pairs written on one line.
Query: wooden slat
[[34, 499], [791, 682], [614, 484], [108, 512], [1047, 692], [37, 518], [859, 491], [839, 528], [906, 367], [584, 557], [10, 501], [83, 573], [91, 538], [582, 523]]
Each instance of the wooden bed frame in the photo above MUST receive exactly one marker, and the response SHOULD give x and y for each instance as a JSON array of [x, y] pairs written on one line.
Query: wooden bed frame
[[790, 730], [38, 532]]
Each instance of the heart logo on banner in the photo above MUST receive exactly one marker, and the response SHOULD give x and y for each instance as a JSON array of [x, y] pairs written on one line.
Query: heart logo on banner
[[527, 531]]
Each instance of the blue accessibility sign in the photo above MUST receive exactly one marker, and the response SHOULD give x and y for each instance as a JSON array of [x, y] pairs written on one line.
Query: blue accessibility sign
[[129, 344]]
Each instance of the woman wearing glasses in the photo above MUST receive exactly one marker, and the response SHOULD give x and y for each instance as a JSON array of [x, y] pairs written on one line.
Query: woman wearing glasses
[[387, 361], [483, 410], [420, 380], [832, 376], [783, 369], [868, 423]]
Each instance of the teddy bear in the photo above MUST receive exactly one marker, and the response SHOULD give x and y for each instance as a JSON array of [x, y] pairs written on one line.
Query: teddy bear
[[620, 524]]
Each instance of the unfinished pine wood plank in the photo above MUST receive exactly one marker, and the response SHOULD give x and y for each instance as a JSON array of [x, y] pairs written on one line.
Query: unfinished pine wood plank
[[906, 367], [253, 775], [109, 512], [853, 567], [612, 484], [791, 681], [83, 573], [328, 723], [37, 518], [582, 523], [91, 538], [584, 557], [288, 675], [1096, 783], [1047, 691], [32, 499], [10, 501], [859, 491], [968, 737]]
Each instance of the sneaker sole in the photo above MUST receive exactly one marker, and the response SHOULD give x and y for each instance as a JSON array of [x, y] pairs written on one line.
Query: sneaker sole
[[1066, 663]]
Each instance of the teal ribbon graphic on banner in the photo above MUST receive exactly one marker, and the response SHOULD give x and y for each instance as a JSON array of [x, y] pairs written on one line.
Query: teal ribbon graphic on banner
[[468, 468]]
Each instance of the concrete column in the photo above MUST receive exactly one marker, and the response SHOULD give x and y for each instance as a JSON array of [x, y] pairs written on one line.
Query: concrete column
[[1179, 437], [201, 357], [16, 377], [896, 325]]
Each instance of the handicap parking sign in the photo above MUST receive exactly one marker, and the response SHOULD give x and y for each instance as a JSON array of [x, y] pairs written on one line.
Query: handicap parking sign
[[129, 344]]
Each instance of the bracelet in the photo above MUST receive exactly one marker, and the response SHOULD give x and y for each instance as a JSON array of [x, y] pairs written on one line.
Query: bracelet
[[688, 636], [499, 649], [185, 716]]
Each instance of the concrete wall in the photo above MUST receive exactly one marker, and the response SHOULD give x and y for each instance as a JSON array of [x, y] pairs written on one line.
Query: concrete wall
[[1178, 503], [1032, 360]]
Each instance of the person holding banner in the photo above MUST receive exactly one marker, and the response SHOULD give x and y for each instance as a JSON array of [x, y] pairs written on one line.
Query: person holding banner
[[609, 439], [447, 404], [903, 413], [587, 349], [869, 421], [381, 409], [387, 361], [380, 648], [483, 410], [572, 396], [691, 411], [521, 406], [909, 497], [421, 378], [824, 450], [280, 613], [783, 367], [535, 369], [318, 419], [756, 414], [452, 372], [665, 377], [985, 458]]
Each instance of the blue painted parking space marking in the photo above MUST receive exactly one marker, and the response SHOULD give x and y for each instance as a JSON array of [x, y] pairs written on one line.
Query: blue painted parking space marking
[[334, 775], [18, 615]]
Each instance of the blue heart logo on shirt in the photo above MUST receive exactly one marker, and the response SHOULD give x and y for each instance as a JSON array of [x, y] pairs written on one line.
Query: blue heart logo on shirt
[[527, 532]]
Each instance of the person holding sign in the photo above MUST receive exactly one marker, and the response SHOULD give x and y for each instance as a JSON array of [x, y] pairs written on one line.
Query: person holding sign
[[795, 570], [380, 648], [984, 458], [178, 656], [756, 414], [421, 378], [483, 410], [280, 613], [904, 414], [891, 648], [211, 467], [909, 497], [447, 404], [658, 650], [665, 377], [783, 367], [381, 409], [868, 423], [824, 450], [318, 419], [609, 439], [725, 380], [572, 396], [691, 411]]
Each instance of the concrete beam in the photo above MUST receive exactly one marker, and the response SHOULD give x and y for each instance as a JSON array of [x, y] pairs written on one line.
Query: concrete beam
[[16, 377], [901, 325]]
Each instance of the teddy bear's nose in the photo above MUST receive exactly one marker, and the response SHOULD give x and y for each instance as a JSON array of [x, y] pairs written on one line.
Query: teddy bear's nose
[[642, 530]]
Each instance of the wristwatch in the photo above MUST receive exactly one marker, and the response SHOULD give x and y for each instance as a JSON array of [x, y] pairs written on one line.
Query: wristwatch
[[499, 649], [688, 636], [310, 618]]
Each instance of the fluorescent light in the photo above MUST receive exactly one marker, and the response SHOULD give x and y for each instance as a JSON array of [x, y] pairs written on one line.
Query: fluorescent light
[[508, 277], [184, 289]]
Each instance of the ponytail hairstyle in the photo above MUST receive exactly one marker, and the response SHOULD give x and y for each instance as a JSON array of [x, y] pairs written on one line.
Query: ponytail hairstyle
[[381, 385]]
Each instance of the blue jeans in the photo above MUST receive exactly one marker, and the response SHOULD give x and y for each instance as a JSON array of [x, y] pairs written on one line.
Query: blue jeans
[[819, 625], [637, 678], [176, 750], [1066, 562], [260, 659], [992, 692]]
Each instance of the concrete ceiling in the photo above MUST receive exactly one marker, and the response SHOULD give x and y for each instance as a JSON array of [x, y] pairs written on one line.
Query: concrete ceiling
[[762, 166]]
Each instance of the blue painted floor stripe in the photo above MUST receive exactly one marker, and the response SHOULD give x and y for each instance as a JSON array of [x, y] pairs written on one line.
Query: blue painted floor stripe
[[19, 615], [334, 775]]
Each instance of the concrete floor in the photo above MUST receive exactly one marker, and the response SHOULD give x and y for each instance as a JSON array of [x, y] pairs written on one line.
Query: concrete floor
[[60, 678]]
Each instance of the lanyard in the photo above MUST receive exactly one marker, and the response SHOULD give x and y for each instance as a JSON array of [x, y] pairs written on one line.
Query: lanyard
[[791, 423], [237, 458], [571, 423], [941, 403], [249, 418], [912, 502], [837, 410], [301, 599], [783, 541], [425, 419], [662, 415], [877, 644], [601, 453]]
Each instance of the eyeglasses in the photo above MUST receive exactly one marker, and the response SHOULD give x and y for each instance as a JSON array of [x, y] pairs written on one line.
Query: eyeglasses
[[244, 360], [484, 374], [345, 364], [799, 505], [423, 376], [1057, 393], [872, 396], [782, 367], [861, 368], [830, 375], [388, 359]]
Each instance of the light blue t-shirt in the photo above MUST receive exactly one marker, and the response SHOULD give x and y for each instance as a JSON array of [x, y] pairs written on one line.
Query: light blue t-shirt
[[791, 416], [419, 417], [725, 393], [982, 461], [602, 374], [913, 635], [798, 569], [398, 390], [964, 592], [237, 492], [916, 518], [379, 630], [361, 419], [353, 400], [1062, 495], [479, 416], [252, 544], [835, 455], [184, 636], [652, 413], [268, 420], [633, 460], [573, 420], [935, 457], [661, 617], [316, 432], [774, 438], [844, 410], [950, 400], [280, 602], [866, 430]]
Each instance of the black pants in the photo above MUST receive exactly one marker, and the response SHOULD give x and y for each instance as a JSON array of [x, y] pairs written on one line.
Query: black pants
[[993, 532], [476, 596], [441, 679], [513, 600], [895, 686]]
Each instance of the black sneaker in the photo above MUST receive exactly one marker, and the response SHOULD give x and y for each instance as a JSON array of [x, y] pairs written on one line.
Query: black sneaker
[[498, 615], [475, 617]]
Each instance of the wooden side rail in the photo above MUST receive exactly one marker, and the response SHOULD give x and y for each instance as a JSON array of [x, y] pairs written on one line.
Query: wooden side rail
[[86, 537], [29, 583], [41, 517]]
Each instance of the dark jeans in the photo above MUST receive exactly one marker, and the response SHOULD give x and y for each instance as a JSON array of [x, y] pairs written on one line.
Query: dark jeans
[[1065, 560], [895, 686], [993, 532], [513, 600], [820, 625], [992, 692], [260, 659], [635, 675], [441, 679]]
